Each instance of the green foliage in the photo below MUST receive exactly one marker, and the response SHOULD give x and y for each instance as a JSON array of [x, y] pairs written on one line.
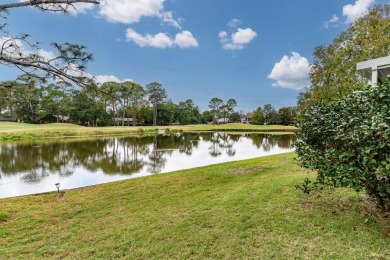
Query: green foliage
[[347, 142], [257, 117], [86, 110], [188, 113], [25, 102], [307, 186], [333, 73], [207, 116], [234, 117], [4, 216], [271, 117], [286, 115], [167, 113]]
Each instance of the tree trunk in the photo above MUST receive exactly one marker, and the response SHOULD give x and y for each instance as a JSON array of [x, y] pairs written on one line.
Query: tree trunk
[[113, 112], [134, 117], [154, 115], [123, 116]]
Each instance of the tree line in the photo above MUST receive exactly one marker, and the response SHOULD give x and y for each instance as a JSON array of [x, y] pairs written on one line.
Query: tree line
[[27, 99]]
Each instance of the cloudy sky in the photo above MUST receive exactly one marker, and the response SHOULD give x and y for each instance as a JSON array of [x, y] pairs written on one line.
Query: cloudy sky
[[254, 51]]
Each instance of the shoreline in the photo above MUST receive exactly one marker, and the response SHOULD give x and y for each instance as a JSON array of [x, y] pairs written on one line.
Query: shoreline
[[20, 131]]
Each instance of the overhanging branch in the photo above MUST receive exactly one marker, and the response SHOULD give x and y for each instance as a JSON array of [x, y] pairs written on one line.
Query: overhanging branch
[[45, 2]]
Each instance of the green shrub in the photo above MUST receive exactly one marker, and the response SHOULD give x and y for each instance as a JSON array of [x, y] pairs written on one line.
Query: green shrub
[[4, 216], [347, 142]]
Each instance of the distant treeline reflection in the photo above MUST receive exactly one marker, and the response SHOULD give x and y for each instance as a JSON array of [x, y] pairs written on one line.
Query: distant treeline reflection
[[119, 155]]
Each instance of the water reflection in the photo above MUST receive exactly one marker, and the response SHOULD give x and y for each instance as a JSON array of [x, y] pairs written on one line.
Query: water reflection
[[34, 168]]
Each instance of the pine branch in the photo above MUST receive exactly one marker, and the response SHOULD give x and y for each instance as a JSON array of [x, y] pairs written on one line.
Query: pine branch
[[38, 3]]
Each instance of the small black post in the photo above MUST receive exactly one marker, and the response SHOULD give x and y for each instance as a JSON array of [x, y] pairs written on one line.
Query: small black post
[[58, 186]]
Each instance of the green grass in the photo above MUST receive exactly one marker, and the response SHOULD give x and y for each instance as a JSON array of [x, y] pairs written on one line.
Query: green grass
[[22, 131], [238, 210]]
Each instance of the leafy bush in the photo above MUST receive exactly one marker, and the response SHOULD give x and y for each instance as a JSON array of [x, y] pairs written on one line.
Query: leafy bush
[[4, 216], [347, 142]]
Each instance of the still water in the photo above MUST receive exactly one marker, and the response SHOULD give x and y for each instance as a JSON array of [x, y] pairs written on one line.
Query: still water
[[36, 167]]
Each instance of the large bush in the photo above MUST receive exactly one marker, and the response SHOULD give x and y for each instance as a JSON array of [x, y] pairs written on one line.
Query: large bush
[[347, 142]]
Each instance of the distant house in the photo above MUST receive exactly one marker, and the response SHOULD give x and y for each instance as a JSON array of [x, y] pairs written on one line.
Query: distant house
[[223, 120], [123, 119], [61, 118], [5, 119], [246, 119]]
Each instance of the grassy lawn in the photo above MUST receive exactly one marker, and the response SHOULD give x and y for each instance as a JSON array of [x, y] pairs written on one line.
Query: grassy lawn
[[245, 209], [18, 131]]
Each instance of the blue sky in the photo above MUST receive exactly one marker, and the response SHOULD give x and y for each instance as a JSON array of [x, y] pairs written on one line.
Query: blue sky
[[254, 51]]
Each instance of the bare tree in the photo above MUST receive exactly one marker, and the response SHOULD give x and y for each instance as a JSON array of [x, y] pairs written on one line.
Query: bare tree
[[21, 52]]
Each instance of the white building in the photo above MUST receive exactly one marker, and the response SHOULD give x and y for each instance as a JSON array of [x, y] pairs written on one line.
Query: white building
[[375, 70]]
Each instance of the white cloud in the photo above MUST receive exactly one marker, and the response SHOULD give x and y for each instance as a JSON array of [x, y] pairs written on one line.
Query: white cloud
[[352, 12], [332, 21], [160, 40], [125, 11], [128, 12], [100, 79], [167, 17], [222, 34], [234, 23], [238, 39], [291, 72], [184, 39]]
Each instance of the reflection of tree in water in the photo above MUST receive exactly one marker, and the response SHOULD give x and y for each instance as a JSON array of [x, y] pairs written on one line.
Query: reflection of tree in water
[[257, 139], [184, 143], [157, 160], [221, 142], [123, 155], [189, 142], [286, 141], [164, 146], [268, 142], [227, 142], [214, 148], [36, 161], [34, 176]]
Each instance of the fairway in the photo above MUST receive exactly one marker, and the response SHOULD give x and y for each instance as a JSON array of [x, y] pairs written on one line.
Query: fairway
[[22, 131]]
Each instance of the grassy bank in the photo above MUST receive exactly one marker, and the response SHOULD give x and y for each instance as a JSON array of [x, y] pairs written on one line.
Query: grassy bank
[[245, 209], [21, 131]]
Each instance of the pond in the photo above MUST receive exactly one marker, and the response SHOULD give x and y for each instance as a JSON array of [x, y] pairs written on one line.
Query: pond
[[29, 168]]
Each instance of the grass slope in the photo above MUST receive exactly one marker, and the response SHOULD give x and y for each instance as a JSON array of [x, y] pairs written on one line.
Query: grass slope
[[20, 131], [245, 209]]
